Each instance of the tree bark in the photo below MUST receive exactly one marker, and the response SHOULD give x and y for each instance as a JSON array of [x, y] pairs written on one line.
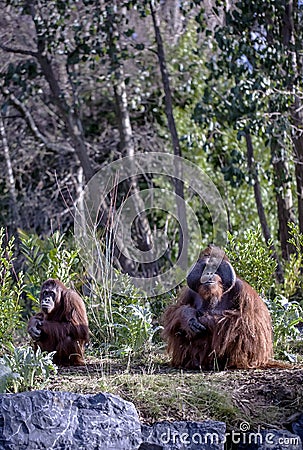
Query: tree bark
[[69, 115], [297, 138], [298, 151]]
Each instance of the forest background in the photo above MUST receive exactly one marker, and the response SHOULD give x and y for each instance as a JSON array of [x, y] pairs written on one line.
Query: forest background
[[86, 83]]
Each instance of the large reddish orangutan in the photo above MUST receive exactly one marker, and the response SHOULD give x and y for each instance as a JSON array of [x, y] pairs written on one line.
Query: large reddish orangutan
[[61, 325], [219, 320]]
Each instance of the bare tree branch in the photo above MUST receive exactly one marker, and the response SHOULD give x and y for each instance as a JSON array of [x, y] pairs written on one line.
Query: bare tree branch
[[19, 51], [31, 122]]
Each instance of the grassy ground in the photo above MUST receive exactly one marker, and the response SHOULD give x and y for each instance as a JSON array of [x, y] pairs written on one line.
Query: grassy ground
[[263, 398]]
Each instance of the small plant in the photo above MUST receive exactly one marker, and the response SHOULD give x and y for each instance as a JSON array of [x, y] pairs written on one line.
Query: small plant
[[287, 313], [11, 287], [7, 377], [24, 368], [120, 323], [135, 328]]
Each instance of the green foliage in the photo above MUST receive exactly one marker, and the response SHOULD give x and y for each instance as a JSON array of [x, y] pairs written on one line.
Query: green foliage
[[253, 81], [286, 312], [252, 260], [285, 318], [122, 324], [205, 137], [293, 279], [47, 258], [7, 377], [11, 287], [24, 369]]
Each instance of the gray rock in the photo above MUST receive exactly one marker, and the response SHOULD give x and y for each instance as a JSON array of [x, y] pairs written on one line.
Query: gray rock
[[147, 446], [62, 420], [297, 426], [207, 435]]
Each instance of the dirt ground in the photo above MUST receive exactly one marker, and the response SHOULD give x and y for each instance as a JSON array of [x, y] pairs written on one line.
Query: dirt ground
[[266, 398]]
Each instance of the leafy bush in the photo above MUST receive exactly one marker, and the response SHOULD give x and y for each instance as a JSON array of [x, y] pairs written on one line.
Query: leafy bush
[[47, 258], [11, 287], [286, 312], [252, 260], [23, 369]]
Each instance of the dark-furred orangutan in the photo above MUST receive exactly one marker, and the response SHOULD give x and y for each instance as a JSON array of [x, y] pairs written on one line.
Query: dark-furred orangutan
[[219, 320], [61, 325]]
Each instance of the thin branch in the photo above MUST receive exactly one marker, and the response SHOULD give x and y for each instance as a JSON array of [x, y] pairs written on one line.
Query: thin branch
[[31, 122], [19, 51]]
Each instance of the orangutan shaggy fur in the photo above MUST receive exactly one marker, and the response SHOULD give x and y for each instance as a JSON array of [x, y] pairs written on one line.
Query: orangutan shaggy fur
[[211, 329]]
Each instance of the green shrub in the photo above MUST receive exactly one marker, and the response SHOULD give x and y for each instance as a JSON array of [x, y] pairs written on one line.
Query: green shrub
[[286, 312], [24, 369], [47, 258], [252, 260], [11, 287]]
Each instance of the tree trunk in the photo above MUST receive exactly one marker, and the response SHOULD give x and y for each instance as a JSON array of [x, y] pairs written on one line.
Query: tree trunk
[[127, 146], [288, 34], [69, 115], [68, 112], [144, 234], [10, 177], [297, 119], [283, 199], [178, 182], [260, 207]]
